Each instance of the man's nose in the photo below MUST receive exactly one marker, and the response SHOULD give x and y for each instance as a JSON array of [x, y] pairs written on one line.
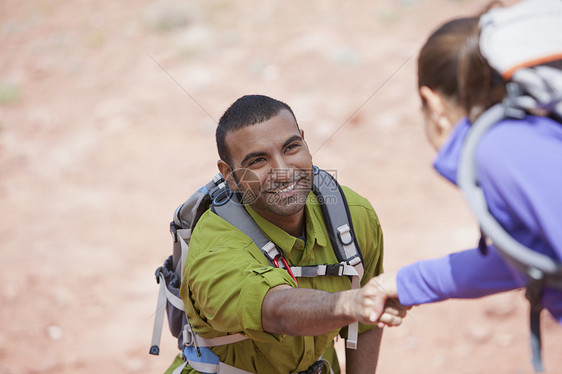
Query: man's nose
[[279, 163], [280, 170]]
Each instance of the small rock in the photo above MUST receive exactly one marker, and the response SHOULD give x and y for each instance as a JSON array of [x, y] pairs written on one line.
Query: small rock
[[478, 333], [500, 306], [169, 15], [54, 332], [196, 39]]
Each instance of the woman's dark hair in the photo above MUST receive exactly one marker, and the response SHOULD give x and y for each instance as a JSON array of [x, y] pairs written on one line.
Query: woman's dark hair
[[438, 61], [450, 62], [247, 110]]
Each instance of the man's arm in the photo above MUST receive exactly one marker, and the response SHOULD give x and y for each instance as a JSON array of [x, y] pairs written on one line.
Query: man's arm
[[364, 359], [309, 312]]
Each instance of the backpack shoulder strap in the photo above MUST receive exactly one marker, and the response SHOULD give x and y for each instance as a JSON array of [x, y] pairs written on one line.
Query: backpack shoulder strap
[[228, 205], [340, 228], [338, 219], [523, 258]]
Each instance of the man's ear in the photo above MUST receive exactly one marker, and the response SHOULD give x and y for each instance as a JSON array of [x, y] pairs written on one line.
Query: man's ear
[[304, 141], [228, 174]]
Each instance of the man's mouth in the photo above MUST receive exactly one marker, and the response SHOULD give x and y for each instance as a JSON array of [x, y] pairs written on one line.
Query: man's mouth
[[286, 189]]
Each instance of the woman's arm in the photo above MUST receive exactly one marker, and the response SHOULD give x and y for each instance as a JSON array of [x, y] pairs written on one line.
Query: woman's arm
[[462, 275]]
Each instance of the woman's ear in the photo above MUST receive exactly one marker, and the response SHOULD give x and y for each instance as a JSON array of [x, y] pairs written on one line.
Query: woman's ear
[[433, 101], [436, 108], [228, 174]]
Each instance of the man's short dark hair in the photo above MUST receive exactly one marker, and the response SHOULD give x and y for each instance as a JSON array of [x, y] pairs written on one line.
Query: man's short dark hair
[[246, 111]]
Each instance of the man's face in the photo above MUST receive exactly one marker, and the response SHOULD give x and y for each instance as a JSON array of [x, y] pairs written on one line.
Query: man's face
[[272, 166]]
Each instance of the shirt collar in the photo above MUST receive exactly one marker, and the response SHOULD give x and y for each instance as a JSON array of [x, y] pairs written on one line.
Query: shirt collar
[[314, 222], [447, 161], [315, 226]]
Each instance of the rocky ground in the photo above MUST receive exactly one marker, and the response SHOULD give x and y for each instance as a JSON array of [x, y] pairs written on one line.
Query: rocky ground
[[107, 117]]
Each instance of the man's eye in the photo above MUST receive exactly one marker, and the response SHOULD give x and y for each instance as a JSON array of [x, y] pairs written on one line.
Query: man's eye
[[256, 161], [292, 146]]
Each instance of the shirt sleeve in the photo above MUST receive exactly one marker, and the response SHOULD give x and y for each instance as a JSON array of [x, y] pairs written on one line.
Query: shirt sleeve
[[467, 274], [227, 284]]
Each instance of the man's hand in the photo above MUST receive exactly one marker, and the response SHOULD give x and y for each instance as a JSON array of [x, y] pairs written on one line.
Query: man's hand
[[393, 314], [359, 303], [373, 305], [387, 310]]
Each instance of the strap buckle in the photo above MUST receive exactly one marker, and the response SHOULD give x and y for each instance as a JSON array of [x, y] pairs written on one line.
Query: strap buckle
[[345, 234], [315, 368], [335, 270], [189, 339], [270, 251]]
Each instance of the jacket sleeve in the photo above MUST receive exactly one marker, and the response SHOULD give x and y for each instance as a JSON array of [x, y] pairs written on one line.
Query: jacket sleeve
[[463, 275]]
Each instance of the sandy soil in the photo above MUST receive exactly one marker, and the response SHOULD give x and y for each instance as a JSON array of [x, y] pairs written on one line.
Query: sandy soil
[[107, 117]]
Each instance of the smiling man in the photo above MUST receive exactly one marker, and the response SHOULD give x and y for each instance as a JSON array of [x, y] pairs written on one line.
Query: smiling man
[[273, 154], [230, 288]]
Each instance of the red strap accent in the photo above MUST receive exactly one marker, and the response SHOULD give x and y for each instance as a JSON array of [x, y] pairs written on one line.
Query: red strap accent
[[276, 263]]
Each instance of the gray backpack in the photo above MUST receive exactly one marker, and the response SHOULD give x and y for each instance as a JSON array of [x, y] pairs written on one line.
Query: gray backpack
[[523, 43], [228, 204]]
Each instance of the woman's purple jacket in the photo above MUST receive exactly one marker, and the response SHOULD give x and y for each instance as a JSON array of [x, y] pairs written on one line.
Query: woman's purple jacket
[[519, 165]]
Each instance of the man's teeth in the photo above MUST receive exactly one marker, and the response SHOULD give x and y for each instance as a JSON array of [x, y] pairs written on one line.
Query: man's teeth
[[287, 189]]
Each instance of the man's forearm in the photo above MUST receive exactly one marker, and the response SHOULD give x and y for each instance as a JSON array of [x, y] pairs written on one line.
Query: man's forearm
[[364, 359], [302, 311]]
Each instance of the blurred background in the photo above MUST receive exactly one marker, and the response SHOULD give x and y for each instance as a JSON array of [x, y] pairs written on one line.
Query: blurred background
[[107, 119]]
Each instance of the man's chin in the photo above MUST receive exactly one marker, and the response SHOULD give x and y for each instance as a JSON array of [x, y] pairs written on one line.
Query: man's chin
[[290, 210], [280, 209]]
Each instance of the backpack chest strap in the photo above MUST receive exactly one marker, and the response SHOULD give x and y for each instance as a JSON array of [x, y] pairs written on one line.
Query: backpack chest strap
[[336, 270]]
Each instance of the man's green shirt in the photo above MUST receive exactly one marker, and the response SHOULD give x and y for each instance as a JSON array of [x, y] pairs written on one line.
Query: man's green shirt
[[226, 278]]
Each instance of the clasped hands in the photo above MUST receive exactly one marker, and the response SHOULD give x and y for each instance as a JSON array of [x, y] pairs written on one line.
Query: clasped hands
[[380, 303]]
